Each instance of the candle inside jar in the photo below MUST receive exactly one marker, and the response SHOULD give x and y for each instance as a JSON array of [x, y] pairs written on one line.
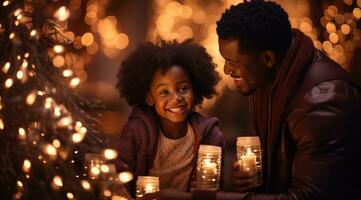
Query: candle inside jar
[[249, 161], [209, 166]]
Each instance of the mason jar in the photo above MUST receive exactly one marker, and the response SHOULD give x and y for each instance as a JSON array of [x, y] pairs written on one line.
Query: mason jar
[[249, 155], [146, 184], [208, 167]]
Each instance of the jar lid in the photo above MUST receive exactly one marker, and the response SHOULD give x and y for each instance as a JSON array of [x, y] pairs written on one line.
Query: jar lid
[[147, 179], [248, 140], [210, 149]]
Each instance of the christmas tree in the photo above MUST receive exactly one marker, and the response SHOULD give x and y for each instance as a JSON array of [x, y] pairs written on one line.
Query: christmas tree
[[46, 129]]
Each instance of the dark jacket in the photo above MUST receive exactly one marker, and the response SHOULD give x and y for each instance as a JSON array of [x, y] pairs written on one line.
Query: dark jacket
[[138, 141], [309, 125]]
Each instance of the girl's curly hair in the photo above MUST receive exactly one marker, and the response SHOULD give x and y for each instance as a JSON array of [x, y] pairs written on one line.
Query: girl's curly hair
[[137, 70]]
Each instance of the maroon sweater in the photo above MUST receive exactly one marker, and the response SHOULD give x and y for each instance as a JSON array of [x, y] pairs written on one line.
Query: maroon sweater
[[138, 141]]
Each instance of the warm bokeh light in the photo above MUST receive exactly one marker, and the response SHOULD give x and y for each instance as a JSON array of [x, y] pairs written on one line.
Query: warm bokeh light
[[125, 177], [62, 13], [30, 99], [87, 39], [26, 165], [58, 48], [110, 154], [58, 61], [85, 184]]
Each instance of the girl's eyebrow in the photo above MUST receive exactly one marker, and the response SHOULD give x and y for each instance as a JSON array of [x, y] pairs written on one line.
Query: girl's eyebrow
[[160, 85]]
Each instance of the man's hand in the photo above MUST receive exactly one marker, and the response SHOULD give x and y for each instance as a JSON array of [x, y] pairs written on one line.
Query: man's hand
[[166, 194], [242, 180]]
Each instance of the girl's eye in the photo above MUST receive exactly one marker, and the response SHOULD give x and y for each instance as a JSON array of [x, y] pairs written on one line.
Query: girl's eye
[[184, 89], [163, 92]]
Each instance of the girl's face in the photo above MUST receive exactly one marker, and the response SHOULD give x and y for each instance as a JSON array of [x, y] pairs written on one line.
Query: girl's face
[[171, 94]]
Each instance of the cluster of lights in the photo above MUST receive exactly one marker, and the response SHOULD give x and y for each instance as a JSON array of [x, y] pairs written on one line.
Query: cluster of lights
[[52, 144], [341, 33]]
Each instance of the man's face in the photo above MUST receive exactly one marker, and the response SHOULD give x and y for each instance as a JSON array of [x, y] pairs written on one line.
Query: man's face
[[248, 69]]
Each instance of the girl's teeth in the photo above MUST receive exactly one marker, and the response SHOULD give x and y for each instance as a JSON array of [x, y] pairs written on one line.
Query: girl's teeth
[[175, 109]]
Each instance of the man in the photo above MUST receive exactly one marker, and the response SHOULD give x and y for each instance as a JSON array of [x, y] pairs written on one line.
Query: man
[[303, 106]]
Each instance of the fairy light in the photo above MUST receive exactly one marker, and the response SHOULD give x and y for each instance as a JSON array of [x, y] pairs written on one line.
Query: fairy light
[[26, 55], [56, 143], [64, 122], [95, 170], [20, 74], [85, 184], [26, 165], [20, 184], [107, 193], [30, 99], [70, 195], [58, 48], [77, 137], [62, 13], [48, 102], [105, 168], [125, 177], [12, 36], [22, 133], [6, 3], [67, 73], [58, 181], [2, 126], [50, 150], [57, 111], [74, 82], [9, 82], [17, 12], [33, 33], [110, 154], [6, 67]]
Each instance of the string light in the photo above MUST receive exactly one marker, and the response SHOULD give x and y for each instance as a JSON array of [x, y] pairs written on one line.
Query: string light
[[2, 126], [33, 33], [74, 82], [30, 99], [70, 195], [110, 154], [58, 48], [125, 177], [62, 13], [67, 73], [8, 83], [6, 67], [26, 165], [85, 184], [6, 3], [58, 181], [12, 36], [22, 133]]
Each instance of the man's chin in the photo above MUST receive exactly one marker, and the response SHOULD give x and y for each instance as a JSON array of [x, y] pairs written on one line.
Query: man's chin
[[246, 92]]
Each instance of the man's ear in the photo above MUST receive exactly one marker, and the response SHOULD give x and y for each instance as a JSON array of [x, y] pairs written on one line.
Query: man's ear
[[269, 58], [149, 100]]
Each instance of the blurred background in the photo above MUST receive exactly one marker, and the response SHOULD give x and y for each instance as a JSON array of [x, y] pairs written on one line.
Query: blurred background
[[104, 32]]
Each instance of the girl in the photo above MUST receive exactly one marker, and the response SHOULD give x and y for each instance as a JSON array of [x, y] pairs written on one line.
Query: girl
[[163, 83]]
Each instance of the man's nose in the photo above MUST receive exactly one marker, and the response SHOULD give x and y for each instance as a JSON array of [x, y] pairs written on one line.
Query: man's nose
[[227, 68]]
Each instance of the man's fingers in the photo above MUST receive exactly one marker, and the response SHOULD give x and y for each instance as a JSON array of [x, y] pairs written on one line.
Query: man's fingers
[[242, 174], [149, 196]]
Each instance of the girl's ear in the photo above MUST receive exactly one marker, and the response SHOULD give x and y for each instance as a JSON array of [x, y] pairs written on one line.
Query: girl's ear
[[149, 100]]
